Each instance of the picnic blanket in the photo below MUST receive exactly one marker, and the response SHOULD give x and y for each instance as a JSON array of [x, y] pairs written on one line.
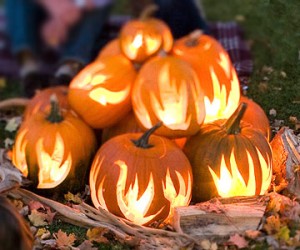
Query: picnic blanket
[[229, 34]]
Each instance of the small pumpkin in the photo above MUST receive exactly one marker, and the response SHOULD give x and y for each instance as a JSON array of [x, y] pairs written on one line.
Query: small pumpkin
[[256, 116], [166, 89], [54, 149], [144, 37], [229, 158], [112, 48], [41, 100], [216, 74], [140, 177], [101, 92]]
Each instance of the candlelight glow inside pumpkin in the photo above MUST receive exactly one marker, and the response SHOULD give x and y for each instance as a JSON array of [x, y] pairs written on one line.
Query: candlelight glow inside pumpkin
[[139, 182]]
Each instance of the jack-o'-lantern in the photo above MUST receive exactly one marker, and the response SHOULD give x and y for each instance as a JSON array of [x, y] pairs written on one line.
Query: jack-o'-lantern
[[215, 72], [229, 158], [144, 37], [41, 100], [101, 92], [166, 89], [140, 178], [256, 116], [54, 149]]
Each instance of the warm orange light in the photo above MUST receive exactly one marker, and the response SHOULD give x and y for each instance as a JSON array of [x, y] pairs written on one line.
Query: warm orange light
[[135, 208], [223, 104], [231, 182], [19, 158], [53, 169]]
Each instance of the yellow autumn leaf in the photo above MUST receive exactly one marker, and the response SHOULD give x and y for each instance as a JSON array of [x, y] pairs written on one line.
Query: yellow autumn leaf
[[73, 198], [37, 218], [97, 234]]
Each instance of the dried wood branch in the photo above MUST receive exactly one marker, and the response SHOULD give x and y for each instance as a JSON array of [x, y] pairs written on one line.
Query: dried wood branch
[[13, 102], [132, 234]]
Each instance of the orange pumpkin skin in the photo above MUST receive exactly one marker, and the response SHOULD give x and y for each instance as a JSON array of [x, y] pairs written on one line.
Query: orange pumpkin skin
[[55, 154], [215, 72], [166, 89], [101, 92], [256, 116], [40, 102], [140, 184], [141, 39], [112, 48], [228, 162]]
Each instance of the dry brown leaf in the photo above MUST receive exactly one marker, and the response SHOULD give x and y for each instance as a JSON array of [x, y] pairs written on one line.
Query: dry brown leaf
[[238, 241], [64, 240], [35, 205], [37, 218], [86, 245], [97, 234], [263, 87], [272, 225], [73, 198]]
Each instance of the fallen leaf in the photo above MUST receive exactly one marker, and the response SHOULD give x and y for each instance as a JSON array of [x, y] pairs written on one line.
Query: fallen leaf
[[240, 18], [8, 143], [64, 240], [86, 245], [252, 234], [283, 74], [263, 87], [284, 234], [37, 218], [238, 241], [2, 83], [208, 245], [35, 205], [13, 124], [272, 225], [273, 112], [74, 198], [97, 234]]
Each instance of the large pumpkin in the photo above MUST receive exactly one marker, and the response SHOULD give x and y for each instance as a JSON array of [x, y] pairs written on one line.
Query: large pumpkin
[[140, 178], [166, 89], [229, 158], [215, 72], [256, 116], [54, 149], [144, 37], [101, 92], [41, 100]]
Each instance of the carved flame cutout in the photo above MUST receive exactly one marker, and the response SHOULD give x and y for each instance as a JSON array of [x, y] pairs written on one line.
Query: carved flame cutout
[[223, 104], [231, 183], [53, 169], [140, 40], [19, 158], [172, 104], [183, 197]]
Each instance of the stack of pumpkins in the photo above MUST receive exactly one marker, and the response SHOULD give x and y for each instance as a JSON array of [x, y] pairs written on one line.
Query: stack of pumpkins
[[184, 92]]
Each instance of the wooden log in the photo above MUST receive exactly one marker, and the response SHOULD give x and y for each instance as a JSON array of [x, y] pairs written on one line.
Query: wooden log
[[286, 161], [217, 219]]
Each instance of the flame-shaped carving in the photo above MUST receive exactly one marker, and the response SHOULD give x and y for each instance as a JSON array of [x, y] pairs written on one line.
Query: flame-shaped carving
[[231, 182], [223, 103], [19, 158], [52, 168]]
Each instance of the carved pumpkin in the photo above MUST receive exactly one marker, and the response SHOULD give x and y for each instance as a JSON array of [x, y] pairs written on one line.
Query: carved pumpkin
[[41, 100], [256, 116], [54, 150], [215, 72], [101, 92], [144, 37], [166, 89], [140, 178], [229, 158]]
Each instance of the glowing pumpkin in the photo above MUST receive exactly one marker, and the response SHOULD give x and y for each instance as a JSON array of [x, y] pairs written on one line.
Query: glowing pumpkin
[[54, 149], [140, 178], [215, 72], [229, 158], [144, 37], [166, 89], [41, 100], [101, 92], [256, 116]]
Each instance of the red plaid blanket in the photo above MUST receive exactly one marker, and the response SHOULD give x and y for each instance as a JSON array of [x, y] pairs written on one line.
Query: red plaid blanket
[[229, 34]]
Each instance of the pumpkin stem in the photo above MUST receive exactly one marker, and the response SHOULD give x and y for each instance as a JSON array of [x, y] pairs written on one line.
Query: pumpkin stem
[[143, 141], [55, 112], [148, 11], [193, 38], [232, 125]]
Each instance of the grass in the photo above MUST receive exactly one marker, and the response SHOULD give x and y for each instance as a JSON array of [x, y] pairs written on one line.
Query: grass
[[272, 29]]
